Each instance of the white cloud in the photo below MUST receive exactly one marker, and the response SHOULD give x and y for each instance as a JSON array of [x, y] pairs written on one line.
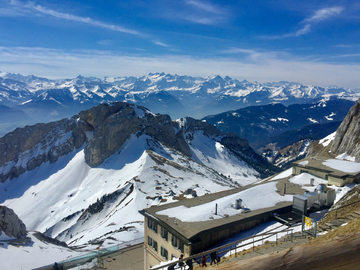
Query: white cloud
[[85, 20], [324, 13], [204, 6], [196, 11], [19, 9], [268, 66], [319, 15]]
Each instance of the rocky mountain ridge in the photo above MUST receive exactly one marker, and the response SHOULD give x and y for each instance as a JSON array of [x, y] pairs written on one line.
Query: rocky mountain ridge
[[261, 125], [104, 129], [345, 141], [48, 100]]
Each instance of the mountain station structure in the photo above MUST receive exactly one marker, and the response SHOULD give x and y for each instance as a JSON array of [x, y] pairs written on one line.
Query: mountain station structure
[[166, 236], [336, 172]]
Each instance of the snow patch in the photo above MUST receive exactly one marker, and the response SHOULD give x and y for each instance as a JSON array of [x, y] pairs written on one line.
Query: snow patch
[[325, 141], [345, 156], [283, 174], [313, 120]]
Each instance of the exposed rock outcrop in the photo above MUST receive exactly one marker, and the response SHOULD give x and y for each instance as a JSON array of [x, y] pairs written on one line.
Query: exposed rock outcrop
[[29, 147], [115, 123], [10, 224], [347, 137]]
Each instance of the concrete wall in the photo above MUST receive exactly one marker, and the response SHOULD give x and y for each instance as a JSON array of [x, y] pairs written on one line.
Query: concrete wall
[[154, 257], [339, 182], [299, 170]]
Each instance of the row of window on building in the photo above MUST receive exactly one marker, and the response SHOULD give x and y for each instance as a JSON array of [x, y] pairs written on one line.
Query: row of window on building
[[165, 235]]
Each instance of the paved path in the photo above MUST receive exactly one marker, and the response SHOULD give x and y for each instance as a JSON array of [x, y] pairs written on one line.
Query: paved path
[[131, 258]]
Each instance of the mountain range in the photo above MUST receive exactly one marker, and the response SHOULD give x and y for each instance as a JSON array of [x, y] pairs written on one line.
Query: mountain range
[[46, 100], [83, 179], [282, 125]]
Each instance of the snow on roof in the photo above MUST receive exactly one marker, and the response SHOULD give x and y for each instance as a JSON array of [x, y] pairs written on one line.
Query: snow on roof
[[343, 165], [258, 197], [304, 163]]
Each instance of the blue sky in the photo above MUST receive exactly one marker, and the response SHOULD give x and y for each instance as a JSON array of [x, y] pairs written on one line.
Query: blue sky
[[311, 42]]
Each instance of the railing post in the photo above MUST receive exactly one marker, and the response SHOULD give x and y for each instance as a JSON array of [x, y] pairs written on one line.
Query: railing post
[[253, 242], [276, 238]]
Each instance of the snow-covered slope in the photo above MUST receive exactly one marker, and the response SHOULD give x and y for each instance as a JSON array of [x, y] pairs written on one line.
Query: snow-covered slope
[[75, 201], [35, 254]]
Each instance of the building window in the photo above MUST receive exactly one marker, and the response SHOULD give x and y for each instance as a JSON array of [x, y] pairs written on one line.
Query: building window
[[164, 233], [177, 243], [152, 225], [164, 253], [152, 243]]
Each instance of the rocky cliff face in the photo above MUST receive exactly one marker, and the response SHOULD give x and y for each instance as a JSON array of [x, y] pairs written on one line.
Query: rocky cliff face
[[347, 137], [10, 224], [114, 124], [346, 140], [104, 130], [29, 147]]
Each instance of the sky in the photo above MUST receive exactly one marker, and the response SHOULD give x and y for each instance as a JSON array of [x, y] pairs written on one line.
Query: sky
[[308, 41]]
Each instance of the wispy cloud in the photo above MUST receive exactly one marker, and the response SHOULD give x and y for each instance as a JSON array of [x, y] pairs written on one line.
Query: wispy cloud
[[343, 45], [307, 23], [85, 20], [20, 9], [196, 11], [324, 13], [157, 42], [348, 55], [204, 6]]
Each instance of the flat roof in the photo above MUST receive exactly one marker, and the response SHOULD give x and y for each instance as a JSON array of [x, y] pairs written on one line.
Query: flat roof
[[189, 229], [339, 168]]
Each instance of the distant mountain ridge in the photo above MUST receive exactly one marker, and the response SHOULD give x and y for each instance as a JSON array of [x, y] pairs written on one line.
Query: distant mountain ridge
[[262, 125], [47, 100]]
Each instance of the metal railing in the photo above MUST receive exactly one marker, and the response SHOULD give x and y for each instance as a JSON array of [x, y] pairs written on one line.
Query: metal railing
[[341, 207], [233, 246], [83, 259]]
